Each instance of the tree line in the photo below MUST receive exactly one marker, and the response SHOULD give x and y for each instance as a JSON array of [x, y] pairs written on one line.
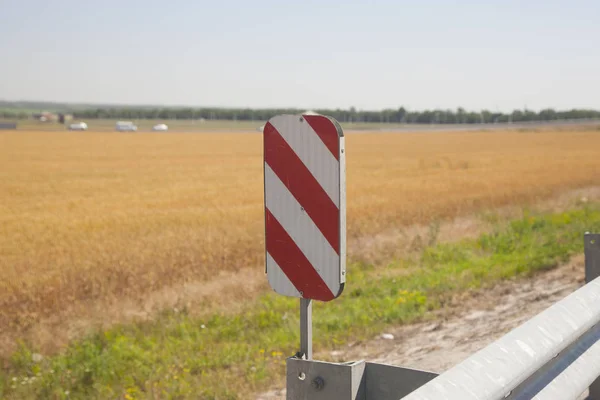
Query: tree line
[[351, 115]]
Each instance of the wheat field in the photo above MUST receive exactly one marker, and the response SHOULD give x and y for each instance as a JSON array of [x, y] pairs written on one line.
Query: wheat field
[[95, 216]]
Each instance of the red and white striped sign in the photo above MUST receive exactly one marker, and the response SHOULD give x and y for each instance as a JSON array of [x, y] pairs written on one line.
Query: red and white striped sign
[[305, 206]]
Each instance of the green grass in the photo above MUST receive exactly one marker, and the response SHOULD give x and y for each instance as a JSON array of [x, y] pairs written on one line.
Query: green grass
[[227, 356]]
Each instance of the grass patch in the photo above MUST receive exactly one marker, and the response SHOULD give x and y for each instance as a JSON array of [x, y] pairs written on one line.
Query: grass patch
[[229, 356]]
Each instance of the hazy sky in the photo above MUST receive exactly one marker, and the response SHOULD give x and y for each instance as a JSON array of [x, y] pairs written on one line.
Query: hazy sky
[[500, 54]]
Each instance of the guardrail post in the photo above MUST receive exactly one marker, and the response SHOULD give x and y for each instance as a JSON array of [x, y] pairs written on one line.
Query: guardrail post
[[592, 271]]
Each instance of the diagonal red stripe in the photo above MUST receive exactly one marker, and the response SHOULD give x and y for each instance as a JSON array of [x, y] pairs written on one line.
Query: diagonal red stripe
[[293, 262], [327, 131], [303, 185]]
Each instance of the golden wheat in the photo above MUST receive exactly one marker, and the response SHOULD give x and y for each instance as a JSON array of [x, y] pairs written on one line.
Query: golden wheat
[[90, 216]]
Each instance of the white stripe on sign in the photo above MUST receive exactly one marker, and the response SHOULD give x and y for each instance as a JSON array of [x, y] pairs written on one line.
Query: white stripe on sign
[[309, 147], [279, 280], [301, 228]]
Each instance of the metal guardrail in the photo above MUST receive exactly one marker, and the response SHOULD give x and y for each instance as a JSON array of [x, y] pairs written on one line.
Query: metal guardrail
[[543, 358], [555, 355]]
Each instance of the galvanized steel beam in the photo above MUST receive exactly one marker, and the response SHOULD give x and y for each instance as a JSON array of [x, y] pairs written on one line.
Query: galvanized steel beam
[[592, 271], [546, 344], [572, 373]]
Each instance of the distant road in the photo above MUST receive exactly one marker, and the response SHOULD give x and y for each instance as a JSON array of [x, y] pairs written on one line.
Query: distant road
[[474, 127], [190, 126]]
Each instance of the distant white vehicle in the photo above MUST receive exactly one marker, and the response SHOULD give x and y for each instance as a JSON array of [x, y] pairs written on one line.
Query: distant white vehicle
[[160, 128], [125, 126], [78, 126]]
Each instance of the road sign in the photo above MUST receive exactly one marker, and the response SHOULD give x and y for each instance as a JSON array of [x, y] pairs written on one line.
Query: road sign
[[305, 206]]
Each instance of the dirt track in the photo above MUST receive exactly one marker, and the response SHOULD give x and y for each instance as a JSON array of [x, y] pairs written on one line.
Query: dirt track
[[469, 324]]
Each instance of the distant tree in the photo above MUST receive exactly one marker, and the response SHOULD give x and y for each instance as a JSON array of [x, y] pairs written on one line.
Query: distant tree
[[399, 115]]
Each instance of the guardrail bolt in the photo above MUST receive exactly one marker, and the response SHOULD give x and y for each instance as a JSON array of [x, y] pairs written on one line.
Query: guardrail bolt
[[318, 383]]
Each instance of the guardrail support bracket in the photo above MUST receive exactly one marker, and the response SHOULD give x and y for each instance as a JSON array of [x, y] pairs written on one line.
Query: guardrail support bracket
[[360, 380]]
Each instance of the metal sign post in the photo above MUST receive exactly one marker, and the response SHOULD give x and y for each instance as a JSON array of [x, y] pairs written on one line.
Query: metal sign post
[[305, 212], [306, 329]]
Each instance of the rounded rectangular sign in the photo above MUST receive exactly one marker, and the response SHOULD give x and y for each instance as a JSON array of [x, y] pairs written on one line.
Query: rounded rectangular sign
[[305, 206]]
